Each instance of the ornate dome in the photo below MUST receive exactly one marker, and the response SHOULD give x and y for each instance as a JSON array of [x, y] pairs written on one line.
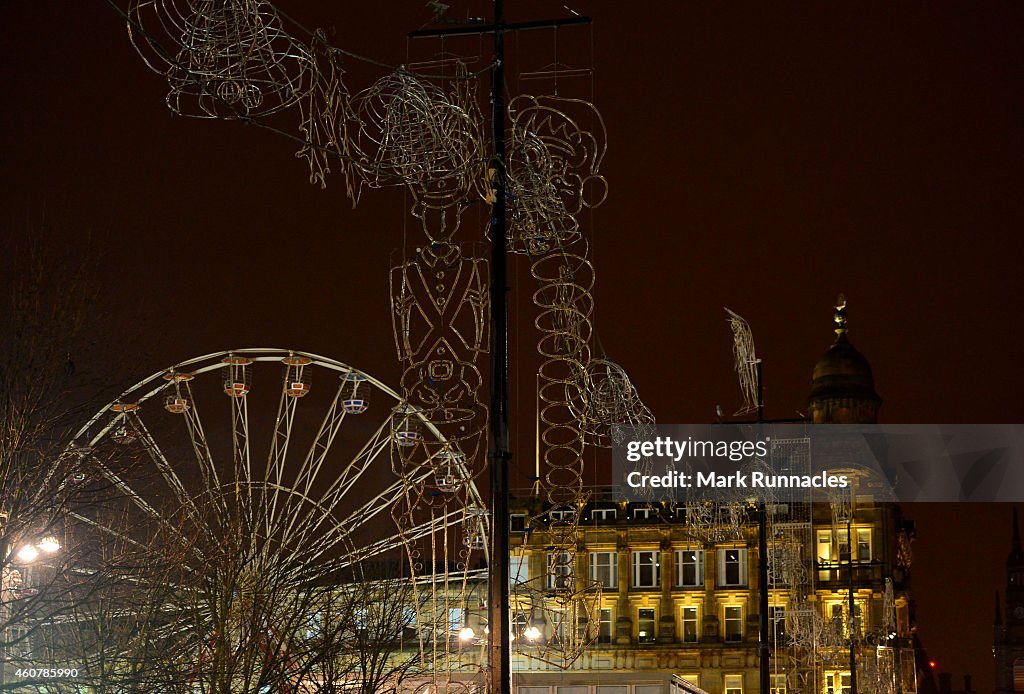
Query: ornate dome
[[842, 387]]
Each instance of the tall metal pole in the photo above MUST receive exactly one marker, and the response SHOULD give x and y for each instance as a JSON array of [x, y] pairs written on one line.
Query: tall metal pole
[[853, 639], [498, 604], [498, 588], [762, 551]]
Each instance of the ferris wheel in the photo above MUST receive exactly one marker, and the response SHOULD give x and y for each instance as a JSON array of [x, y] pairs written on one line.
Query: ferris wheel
[[246, 477]]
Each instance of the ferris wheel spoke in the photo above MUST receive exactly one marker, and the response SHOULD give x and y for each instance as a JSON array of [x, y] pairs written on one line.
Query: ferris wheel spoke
[[204, 457], [378, 442], [167, 472], [329, 426], [278, 452], [241, 457]]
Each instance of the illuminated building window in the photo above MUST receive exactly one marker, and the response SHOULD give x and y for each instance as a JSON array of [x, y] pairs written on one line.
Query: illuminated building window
[[837, 682], [560, 574], [733, 684], [691, 625], [604, 568], [776, 624], [690, 568], [825, 553], [777, 684], [732, 567], [863, 544], [561, 515], [603, 514], [645, 625], [606, 627], [518, 569], [646, 569], [733, 623], [835, 612], [645, 513]]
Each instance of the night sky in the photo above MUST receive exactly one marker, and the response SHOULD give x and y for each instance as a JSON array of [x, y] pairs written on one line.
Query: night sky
[[760, 157]]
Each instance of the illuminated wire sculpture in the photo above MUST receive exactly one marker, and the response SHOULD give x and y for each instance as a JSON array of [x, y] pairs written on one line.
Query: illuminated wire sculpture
[[612, 400], [326, 118], [553, 171], [222, 58], [746, 362], [409, 131]]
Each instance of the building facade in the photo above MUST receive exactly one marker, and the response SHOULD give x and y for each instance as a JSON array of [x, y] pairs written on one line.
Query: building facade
[[678, 604]]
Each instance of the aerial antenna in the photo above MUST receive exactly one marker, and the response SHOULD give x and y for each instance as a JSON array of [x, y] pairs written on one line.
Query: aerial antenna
[[747, 363]]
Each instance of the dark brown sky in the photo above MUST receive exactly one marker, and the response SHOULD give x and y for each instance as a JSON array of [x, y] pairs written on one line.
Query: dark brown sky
[[760, 157]]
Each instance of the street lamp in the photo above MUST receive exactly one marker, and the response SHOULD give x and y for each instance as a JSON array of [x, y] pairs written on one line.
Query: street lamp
[[27, 554], [49, 544]]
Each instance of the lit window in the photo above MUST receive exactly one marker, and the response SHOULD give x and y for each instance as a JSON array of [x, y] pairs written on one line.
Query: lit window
[[734, 684], [603, 514], [454, 619], [776, 623], [606, 627], [691, 625], [733, 623], [837, 683], [604, 568], [518, 569], [646, 569], [836, 614], [560, 573], [732, 567], [863, 544], [777, 684], [690, 568], [825, 555], [645, 625], [561, 514], [645, 513]]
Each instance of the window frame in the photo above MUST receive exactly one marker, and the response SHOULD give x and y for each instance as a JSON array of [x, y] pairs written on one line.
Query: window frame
[[699, 569], [695, 621], [567, 571], [655, 568], [612, 566], [741, 567], [738, 620], [654, 624]]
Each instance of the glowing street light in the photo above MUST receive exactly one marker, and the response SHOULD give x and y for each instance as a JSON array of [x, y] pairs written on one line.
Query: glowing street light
[[49, 544], [532, 633], [27, 554], [466, 633]]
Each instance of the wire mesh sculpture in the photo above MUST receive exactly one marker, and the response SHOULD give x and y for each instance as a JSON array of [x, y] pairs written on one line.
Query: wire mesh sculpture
[[222, 58], [325, 119], [409, 131], [611, 401], [553, 170], [746, 362]]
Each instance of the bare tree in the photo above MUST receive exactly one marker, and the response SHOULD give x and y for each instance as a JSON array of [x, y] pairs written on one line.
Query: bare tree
[[45, 298]]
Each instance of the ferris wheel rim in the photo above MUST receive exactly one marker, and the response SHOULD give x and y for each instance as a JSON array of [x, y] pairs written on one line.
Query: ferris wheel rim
[[266, 354]]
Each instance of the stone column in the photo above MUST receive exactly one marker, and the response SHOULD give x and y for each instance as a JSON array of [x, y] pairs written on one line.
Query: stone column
[[623, 616], [667, 620]]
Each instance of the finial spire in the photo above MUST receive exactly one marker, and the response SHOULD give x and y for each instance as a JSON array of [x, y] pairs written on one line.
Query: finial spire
[[840, 314]]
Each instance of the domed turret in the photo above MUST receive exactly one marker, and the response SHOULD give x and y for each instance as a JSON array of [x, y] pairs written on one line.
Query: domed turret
[[842, 388]]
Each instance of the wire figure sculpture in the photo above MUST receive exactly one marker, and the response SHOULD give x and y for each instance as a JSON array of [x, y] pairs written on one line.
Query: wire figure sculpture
[[746, 362], [409, 131], [325, 120], [229, 59], [612, 401], [553, 171]]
